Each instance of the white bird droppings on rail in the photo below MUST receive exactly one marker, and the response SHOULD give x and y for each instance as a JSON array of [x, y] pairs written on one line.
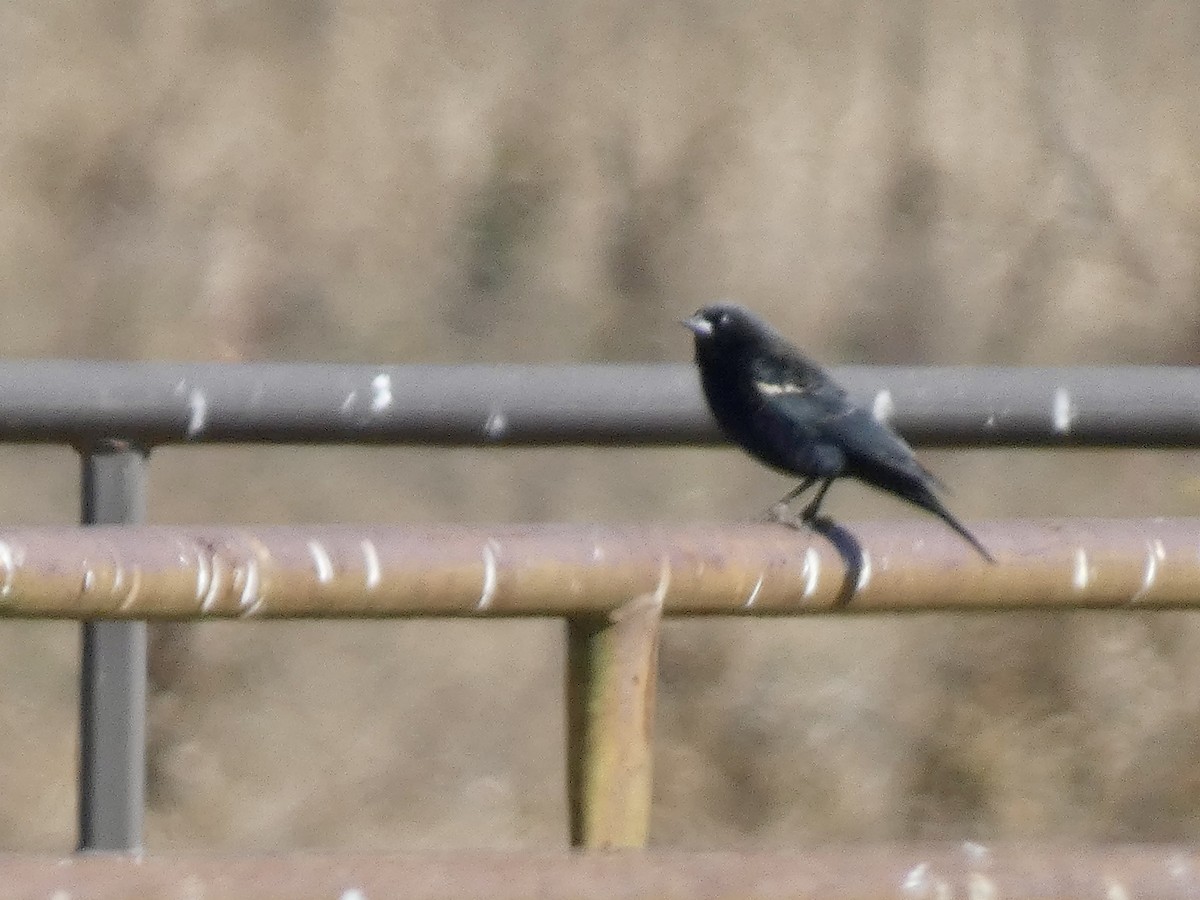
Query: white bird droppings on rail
[[659, 597], [1082, 575], [864, 572], [1063, 411], [372, 575], [977, 853], [251, 599], [923, 884], [496, 425], [916, 882], [490, 550], [352, 894], [811, 571], [321, 560], [381, 392], [197, 412], [9, 562], [135, 585], [1179, 866], [749, 604], [1155, 554], [215, 585], [981, 887], [884, 406], [202, 574]]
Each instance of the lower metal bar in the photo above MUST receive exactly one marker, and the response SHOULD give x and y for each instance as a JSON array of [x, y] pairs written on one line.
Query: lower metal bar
[[112, 728], [1046, 870]]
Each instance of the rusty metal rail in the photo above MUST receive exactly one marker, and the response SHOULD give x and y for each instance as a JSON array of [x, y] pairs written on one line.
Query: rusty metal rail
[[584, 570], [914, 872], [611, 587], [149, 404]]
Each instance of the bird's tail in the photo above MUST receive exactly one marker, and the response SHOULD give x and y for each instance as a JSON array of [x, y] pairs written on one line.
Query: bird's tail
[[925, 498]]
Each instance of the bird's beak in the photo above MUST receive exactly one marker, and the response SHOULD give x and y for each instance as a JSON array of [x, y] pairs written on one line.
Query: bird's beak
[[699, 326]]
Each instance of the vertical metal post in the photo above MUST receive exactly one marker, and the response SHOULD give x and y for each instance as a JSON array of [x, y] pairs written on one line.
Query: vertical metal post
[[611, 676], [112, 727]]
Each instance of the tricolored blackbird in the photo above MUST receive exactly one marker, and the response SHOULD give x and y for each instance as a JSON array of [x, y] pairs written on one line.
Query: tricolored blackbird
[[786, 411]]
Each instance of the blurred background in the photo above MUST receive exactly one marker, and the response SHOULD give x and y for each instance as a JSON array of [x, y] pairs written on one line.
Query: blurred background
[[889, 181]]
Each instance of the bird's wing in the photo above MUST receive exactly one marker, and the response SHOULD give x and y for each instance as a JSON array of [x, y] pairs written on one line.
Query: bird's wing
[[820, 408], [817, 410], [869, 444], [788, 381]]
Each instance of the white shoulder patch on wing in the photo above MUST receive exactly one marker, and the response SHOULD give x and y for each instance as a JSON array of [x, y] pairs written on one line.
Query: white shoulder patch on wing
[[774, 389]]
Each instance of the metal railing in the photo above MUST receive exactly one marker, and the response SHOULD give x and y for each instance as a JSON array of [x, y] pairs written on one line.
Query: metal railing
[[150, 404], [588, 571], [611, 586], [912, 872]]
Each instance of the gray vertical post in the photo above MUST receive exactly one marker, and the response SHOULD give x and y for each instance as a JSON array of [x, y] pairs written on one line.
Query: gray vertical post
[[112, 728]]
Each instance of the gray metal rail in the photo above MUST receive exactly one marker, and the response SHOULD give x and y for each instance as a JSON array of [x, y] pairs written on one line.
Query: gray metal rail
[[115, 413], [150, 404]]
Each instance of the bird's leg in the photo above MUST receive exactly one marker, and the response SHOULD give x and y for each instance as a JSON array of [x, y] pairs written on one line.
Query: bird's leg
[[810, 511], [796, 491], [779, 511]]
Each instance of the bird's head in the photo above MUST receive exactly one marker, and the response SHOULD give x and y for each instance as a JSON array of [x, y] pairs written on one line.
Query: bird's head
[[726, 325]]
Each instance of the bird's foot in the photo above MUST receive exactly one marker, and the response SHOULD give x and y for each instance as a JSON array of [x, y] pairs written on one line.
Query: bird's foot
[[781, 514]]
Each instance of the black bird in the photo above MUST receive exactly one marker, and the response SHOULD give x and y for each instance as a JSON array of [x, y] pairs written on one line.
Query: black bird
[[786, 411]]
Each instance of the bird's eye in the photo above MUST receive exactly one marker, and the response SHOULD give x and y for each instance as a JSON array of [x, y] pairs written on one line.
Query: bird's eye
[[723, 320]]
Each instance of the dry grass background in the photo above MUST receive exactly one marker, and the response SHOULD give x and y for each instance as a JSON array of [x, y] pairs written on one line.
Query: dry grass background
[[464, 180]]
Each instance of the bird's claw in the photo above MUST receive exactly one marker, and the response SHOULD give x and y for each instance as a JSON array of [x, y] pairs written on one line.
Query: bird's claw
[[781, 514]]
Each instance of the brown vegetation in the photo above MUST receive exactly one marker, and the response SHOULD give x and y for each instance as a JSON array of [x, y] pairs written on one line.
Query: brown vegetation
[[463, 181]]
